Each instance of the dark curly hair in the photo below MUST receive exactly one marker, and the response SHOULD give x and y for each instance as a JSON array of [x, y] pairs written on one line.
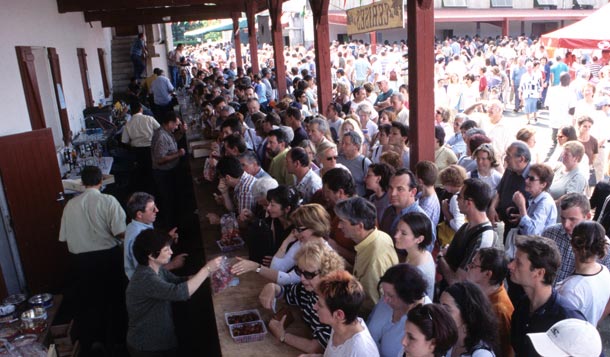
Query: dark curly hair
[[477, 313], [589, 240]]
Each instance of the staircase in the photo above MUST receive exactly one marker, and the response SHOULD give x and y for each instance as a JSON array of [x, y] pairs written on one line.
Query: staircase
[[122, 68]]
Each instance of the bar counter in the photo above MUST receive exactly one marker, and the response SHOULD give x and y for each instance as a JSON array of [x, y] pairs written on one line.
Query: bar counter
[[243, 296]]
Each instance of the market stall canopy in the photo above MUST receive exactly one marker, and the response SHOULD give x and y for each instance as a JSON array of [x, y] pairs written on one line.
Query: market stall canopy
[[223, 26], [591, 32]]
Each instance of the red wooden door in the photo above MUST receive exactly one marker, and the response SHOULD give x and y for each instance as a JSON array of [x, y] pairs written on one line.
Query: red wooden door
[[32, 184]]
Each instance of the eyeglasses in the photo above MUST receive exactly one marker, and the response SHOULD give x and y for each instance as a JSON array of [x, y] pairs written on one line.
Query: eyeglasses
[[305, 274], [532, 178], [300, 229], [329, 158]]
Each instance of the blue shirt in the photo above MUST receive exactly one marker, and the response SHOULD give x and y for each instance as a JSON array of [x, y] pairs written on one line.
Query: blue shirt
[[457, 144], [133, 229], [541, 213], [137, 47], [162, 89], [385, 333]]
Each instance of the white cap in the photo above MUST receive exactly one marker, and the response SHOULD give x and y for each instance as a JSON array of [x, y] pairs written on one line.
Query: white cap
[[570, 337]]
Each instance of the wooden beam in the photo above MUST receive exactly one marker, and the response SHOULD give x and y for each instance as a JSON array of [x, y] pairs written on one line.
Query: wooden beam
[[205, 12], [94, 5], [236, 40], [147, 19], [321, 35], [275, 13], [420, 29], [253, 43]]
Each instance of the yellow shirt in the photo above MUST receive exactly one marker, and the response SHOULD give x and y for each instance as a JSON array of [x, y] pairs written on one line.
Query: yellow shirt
[[374, 255], [91, 221], [138, 131]]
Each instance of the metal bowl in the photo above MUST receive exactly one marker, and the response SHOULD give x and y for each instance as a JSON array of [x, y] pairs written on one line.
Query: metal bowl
[[6, 310], [24, 340], [15, 299], [41, 300], [34, 320], [37, 313]]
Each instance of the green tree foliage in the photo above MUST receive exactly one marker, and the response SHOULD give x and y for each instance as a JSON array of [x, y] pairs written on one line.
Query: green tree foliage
[[179, 28]]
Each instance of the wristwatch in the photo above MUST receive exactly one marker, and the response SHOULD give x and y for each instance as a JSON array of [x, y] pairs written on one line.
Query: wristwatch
[[260, 266]]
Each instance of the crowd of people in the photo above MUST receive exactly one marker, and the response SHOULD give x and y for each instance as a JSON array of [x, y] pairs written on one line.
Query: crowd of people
[[476, 253]]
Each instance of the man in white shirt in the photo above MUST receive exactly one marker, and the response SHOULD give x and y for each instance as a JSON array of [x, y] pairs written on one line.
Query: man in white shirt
[[138, 133]]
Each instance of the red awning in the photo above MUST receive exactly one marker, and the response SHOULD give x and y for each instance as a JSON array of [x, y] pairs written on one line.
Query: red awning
[[591, 32]]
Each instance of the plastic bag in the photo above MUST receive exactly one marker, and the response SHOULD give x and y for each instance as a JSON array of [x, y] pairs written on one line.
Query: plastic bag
[[229, 228], [221, 278]]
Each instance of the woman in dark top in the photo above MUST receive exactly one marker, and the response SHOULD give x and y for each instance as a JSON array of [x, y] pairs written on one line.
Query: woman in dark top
[[150, 293], [265, 235]]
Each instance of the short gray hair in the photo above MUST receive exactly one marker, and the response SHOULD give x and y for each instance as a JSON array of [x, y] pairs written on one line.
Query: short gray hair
[[228, 109], [365, 108], [357, 210], [137, 203], [322, 124], [261, 186], [250, 157], [356, 139], [521, 150], [399, 96]]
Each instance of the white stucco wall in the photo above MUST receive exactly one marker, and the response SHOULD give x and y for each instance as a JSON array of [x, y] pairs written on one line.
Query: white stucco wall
[[38, 23]]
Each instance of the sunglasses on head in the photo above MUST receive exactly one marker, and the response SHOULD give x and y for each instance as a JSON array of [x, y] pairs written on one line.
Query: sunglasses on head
[[305, 274]]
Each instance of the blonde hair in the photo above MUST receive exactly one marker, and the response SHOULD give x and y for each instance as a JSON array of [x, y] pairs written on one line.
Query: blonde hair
[[453, 175], [314, 217], [319, 254], [355, 124]]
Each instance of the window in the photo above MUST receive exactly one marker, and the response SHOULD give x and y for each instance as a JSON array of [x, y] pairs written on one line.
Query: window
[[455, 3], [552, 4], [501, 3], [584, 4]]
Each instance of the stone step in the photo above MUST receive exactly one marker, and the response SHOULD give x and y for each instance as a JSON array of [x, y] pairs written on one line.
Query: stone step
[[118, 70], [117, 48]]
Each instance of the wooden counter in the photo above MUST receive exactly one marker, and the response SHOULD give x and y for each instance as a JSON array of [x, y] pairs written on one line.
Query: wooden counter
[[243, 296]]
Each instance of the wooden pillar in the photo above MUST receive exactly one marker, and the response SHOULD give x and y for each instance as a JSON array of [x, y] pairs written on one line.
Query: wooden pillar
[[321, 37], [373, 36], [250, 12], [505, 27], [275, 13], [236, 39], [420, 29]]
